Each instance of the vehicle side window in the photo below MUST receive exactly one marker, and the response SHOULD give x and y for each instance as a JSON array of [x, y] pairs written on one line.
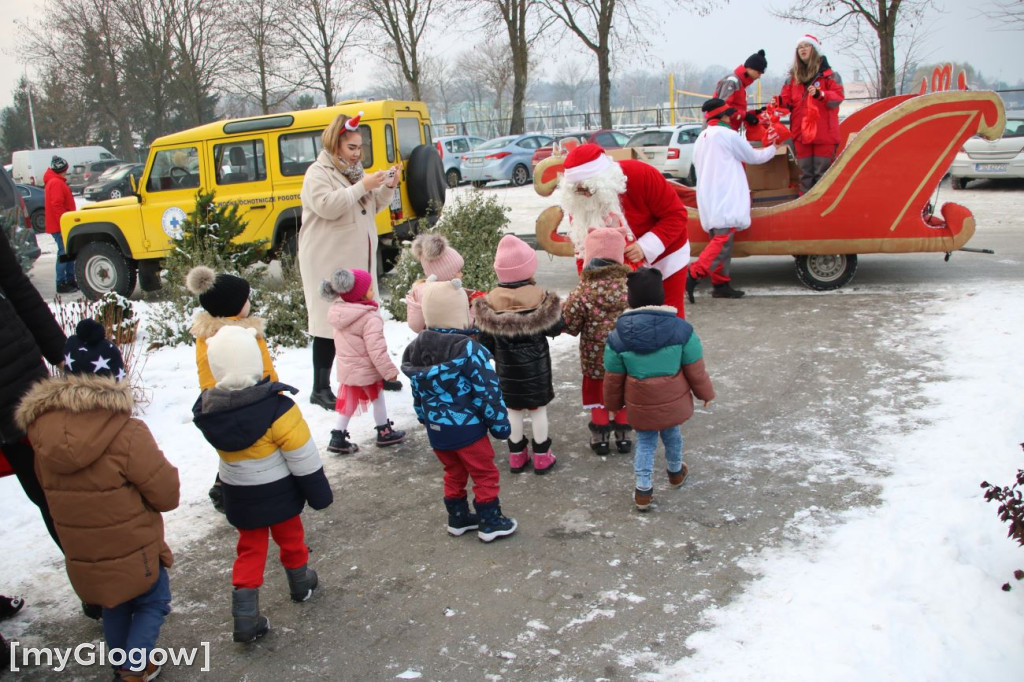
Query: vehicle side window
[[426, 134], [605, 139], [529, 143], [408, 137], [242, 161], [687, 136], [389, 142], [174, 169], [1014, 129], [367, 158], [297, 151], [460, 145], [621, 139]]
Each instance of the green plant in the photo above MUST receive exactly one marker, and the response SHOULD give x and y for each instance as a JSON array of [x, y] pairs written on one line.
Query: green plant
[[1011, 510], [208, 238], [474, 225]]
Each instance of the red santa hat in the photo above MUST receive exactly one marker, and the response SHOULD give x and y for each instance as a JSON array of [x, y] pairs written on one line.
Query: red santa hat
[[813, 41], [584, 162], [352, 124]]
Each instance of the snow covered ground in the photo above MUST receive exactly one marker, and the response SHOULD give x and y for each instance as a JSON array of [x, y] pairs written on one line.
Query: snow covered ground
[[907, 590]]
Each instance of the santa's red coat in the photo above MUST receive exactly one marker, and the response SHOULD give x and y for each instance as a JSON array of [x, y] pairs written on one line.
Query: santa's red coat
[[656, 216]]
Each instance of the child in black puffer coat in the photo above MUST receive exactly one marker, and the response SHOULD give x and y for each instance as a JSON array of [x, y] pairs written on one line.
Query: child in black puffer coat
[[515, 319]]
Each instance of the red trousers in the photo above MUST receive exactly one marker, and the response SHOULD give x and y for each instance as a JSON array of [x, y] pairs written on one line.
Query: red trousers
[[675, 288], [712, 261], [252, 551], [475, 460]]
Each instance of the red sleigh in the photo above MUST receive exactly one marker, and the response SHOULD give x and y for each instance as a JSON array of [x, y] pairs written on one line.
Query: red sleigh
[[874, 199]]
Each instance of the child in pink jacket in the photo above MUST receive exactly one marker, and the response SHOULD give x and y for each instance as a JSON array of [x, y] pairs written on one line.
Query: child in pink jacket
[[362, 357]]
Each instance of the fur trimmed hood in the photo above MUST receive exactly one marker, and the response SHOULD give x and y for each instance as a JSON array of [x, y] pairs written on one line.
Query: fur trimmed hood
[[79, 414], [206, 325], [614, 271], [516, 321]]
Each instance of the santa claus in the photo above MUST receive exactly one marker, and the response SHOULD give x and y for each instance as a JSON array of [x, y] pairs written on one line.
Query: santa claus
[[598, 192]]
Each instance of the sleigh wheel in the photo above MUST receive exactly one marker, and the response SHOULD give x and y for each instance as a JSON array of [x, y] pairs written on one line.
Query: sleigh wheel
[[825, 273]]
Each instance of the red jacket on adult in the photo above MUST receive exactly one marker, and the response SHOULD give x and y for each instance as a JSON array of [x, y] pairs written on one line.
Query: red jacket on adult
[[656, 216], [794, 97], [57, 199], [733, 89]]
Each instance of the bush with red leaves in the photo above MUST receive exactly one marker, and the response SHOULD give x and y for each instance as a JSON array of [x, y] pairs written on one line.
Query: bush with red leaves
[[1011, 510]]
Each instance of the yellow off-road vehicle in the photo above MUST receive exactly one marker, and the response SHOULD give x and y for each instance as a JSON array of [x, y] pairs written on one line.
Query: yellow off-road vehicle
[[257, 163]]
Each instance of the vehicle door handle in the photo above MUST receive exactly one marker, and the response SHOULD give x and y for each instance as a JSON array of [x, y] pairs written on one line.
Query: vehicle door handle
[[255, 206]]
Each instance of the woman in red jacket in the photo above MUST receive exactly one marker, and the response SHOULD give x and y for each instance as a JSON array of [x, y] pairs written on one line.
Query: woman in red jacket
[[813, 94]]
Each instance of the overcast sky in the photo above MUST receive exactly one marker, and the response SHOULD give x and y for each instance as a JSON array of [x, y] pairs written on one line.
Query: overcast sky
[[959, 32]]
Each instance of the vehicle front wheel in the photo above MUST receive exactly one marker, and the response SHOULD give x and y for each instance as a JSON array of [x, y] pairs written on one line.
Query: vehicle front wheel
[[115, 193], [520, 175], [825, 273], [100, 268], [958, 183], [38, 219], [453, 177]]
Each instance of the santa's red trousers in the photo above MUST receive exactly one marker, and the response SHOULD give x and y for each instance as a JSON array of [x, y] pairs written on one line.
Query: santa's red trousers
[[252, 551], [709, 263], [476, 460]]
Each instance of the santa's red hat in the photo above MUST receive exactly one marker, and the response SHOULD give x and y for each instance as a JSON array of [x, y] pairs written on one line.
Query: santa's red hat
[[585, 162], [352, 124], [813, 41]]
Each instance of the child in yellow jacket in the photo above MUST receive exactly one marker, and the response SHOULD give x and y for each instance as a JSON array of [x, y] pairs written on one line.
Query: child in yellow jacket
[[225, 301]]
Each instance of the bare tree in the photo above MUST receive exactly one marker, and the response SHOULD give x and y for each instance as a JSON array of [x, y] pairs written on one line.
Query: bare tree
[[1009, 14], [149, 67], [259, 68], [320, 32], [403, 22], [882, 18], [201, 51], [606, 24]]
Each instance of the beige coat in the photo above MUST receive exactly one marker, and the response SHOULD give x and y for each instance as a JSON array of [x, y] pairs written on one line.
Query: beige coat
[[338, 230], [106, 482]]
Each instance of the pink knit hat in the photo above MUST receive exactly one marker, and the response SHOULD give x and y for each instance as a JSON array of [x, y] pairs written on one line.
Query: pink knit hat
[[515, 260], [350, 285], [604, 242], [437, 256]]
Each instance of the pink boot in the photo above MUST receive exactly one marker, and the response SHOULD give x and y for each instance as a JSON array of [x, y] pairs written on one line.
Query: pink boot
[[543, 460], [518, 456]]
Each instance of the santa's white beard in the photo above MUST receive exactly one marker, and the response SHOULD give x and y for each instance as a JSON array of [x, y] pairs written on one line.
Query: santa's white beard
[[590, 212]]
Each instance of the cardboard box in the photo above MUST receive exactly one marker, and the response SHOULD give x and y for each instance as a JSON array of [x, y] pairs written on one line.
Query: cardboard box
[[781, 172], [770, 197], [622, 153]]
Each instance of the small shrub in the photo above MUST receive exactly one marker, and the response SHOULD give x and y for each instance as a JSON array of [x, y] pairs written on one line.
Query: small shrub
[[282, 304], [1011, 511], [474, 225]]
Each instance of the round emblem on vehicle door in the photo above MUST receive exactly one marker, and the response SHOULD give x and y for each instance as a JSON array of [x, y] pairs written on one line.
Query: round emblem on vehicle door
[[171, 221]]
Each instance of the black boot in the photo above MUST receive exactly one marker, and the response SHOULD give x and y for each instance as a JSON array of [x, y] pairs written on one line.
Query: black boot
[[322, 394], [340, 444], [10, 606], [217, 496], [301, 582], [493, 524], [387, 434], [94, 611], [726, 291], [460, 519], [599, 438], [623, 443], [245, 609], [691, 285]]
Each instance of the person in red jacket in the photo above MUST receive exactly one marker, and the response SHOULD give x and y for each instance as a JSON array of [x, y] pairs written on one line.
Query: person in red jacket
[[733, 89], [598, 192], [58, 201], [813, 94]]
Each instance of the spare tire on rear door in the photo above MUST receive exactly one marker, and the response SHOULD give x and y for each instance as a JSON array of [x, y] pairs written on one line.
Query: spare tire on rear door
[[425, 180]]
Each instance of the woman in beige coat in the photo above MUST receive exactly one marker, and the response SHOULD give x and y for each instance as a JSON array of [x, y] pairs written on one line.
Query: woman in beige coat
[[339, 230]]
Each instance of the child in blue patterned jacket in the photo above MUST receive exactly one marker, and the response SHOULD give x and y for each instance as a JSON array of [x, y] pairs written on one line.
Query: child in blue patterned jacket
[[457, 397]]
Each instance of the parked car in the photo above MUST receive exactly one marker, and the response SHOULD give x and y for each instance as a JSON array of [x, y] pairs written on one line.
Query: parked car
[[83, 174], [115, 182], [452, 148], [607, 139], [669, 149], [981, 158], [35, 203], [14, 222], [503, 158]]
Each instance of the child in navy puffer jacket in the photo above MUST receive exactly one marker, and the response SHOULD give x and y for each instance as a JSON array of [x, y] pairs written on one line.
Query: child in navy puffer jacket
[[457, 397]]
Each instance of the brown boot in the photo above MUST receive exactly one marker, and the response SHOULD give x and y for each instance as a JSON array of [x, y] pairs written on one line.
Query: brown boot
[[677, 478], [643, 498]]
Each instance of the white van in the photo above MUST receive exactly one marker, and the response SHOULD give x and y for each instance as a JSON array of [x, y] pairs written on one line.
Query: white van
[[28, 165]]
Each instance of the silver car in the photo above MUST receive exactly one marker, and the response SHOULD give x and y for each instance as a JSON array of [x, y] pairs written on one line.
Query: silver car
[[1002, 158], [451, 148], [669, 149]]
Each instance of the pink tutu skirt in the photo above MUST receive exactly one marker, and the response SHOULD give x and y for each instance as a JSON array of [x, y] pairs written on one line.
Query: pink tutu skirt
[[354, 400]]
